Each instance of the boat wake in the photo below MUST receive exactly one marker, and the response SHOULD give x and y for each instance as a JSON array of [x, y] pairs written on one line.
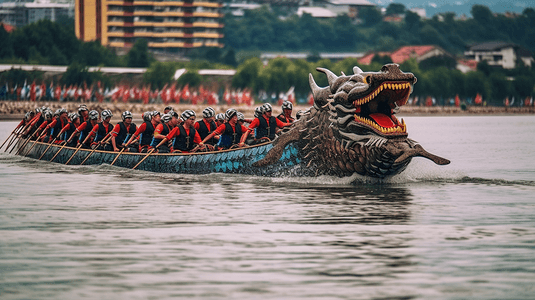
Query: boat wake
[[418, 172]]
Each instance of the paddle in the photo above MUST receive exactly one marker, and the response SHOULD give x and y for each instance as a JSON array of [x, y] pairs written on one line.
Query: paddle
[[43, 131], [12, 142], [51, 143], [9, 136], [13, 136], [104, 141], [58, 152], [149, 153], [115, 159], [125, 147], [77, 149]]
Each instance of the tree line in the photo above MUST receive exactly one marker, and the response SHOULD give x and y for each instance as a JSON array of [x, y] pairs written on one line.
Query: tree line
[[264, 29], [46, 42]]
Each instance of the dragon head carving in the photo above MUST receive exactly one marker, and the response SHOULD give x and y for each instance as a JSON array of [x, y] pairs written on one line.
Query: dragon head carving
[[352, 127]]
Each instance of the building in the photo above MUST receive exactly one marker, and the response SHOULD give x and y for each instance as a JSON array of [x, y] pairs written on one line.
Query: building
[[500, 54], [316, 12], [406, 52], [349, 7], [167, 25], [20, 14]]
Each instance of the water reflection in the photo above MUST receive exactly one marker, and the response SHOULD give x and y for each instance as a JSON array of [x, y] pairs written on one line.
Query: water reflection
[[372, 205]]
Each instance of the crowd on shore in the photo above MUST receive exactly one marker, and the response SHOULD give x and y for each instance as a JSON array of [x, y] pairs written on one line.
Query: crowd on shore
[[161, 132], [170, 93]]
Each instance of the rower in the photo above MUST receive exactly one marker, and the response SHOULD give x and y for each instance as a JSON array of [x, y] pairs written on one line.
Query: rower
[[101, 130], [146, 130], [186, 138], [47, 120], [122, 131], [207, 125], [70, 128], [219, 119], [160, 132], [266, 126], [230, 132], [57, 124], [84, 129], [286, 114], [83, 112]]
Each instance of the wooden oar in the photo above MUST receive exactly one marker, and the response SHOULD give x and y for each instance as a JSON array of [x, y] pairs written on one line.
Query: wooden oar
[[105, 141], [115, 159], [59, 134], [58, 151], [77, 149], [51, 143], [12, 142], [11, 134], [42, 134], [149, 153], [28, 139]]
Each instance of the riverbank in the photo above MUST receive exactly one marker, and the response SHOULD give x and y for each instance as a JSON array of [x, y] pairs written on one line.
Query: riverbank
[[14, 110]]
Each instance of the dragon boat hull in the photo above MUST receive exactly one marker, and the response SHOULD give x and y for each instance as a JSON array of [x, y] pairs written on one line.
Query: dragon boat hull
[[239, 160]]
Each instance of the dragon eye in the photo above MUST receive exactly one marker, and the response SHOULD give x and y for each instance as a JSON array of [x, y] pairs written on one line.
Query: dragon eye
[[367, 79]]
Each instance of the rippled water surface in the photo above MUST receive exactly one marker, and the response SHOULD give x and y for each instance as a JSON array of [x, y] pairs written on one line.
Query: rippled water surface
[[463, 231]]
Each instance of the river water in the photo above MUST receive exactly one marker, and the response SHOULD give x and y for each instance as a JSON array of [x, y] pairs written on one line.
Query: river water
[[462, 231]]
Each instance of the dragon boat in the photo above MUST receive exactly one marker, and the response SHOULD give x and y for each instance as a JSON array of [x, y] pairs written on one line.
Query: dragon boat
[[351, 128]]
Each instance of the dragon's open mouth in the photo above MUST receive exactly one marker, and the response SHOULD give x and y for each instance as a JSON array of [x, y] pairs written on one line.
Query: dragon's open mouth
[[377, 108]]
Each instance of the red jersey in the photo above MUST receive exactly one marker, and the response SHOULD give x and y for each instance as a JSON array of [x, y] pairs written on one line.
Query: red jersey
[[176, 132], [256, 123]]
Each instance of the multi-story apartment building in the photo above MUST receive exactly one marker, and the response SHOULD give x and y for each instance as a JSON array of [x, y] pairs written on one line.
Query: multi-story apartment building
[[165, 24], [20, 13]]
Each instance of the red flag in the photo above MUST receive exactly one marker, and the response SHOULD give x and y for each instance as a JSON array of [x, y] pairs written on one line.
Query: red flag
[[478, 99]]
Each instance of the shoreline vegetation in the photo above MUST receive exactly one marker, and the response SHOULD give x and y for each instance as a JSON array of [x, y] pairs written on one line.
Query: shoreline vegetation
[[15, 110]]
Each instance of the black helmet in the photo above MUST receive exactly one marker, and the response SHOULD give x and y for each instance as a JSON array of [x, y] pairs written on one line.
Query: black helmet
[[126, 114], [187, 114], [82, 108], [287, 105], [208, 112], [258, 112], [73, 116], [93, 115], [220, 116], [173, 113], [106, 114], [241, 117], [267, 107], [230, 113], [147, 116], [166, 117], [154, 113]]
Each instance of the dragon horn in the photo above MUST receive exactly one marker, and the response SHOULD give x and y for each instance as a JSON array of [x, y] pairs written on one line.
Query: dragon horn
[[320, 94], [331, 77], [357, 70]]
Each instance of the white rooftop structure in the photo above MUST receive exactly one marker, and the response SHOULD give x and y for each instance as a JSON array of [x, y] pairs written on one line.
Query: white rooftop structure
[[316, 12]]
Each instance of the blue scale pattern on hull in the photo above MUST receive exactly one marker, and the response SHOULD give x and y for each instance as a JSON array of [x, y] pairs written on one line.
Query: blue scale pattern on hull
[[232, 161]]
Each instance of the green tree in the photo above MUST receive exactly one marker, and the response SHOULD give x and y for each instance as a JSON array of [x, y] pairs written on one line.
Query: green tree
[[523, 86], [159, 73], [230, 58], [395, 9], [370, 15], [138, 56], [76, 74], [6, 50], [501, 88], [191, 77], [476, 82], [247, 74], [412, 21]]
